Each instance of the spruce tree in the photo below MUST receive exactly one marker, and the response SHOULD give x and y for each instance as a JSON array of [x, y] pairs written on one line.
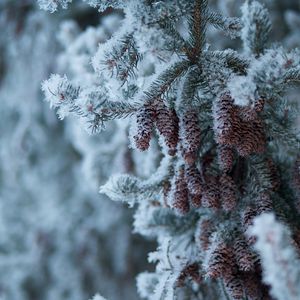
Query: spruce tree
[[223, 203]]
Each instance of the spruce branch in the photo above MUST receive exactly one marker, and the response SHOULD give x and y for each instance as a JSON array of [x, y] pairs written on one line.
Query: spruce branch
[[267, 77], [178, 43], [262, 175], [292, 76], [237, 63], [92, 107], [107, 111], [104, 4], [188, 90], [231, 26], [60, 92], [197, 30], [123, 188], [165, 80], [256, 27], [162, 12], [52, 5], [167, 220], [122, 59]]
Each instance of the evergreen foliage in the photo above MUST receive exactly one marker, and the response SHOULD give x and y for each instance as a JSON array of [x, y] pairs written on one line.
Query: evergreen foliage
[[215, 126]]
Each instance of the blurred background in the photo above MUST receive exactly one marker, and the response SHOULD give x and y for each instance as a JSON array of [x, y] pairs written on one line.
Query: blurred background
[[60, 238]]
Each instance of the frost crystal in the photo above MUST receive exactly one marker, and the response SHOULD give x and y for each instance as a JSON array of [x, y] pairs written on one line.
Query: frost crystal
[[242, 90]]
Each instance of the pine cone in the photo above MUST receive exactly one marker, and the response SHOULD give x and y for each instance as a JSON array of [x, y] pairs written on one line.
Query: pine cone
[[238, 127], [247, 114], [252, 138], [145, 122], [228, 192], [225, 157], [221, 261], [190, 271], [196, 200], [259, 105], [264, 203], [244, 257], [248, 215], [204, 232], [193, 179], [190, 136], [211, 193], [167, 125], [234, 286], [252, 285], [224, 120], [180, 195]]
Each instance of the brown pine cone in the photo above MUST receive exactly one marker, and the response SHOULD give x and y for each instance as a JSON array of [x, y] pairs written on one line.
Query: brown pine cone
[[190, 135], [145, 122], [167, 125]]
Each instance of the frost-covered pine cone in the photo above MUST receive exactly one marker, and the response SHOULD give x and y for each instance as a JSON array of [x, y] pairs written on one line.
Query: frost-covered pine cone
[[167, 125], [145, 120], [190, 135]]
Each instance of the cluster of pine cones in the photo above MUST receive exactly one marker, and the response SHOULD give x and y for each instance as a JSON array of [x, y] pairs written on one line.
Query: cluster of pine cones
[[238, 133]]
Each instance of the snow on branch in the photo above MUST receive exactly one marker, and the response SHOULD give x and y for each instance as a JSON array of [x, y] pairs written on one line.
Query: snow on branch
[[118, 58], [52, 5], [91, 106], [267, 76], [165, 80], [279, 259], [256, 27], [129, 189], [104, 4], [122, 188], [98, 297], [231, 26]]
